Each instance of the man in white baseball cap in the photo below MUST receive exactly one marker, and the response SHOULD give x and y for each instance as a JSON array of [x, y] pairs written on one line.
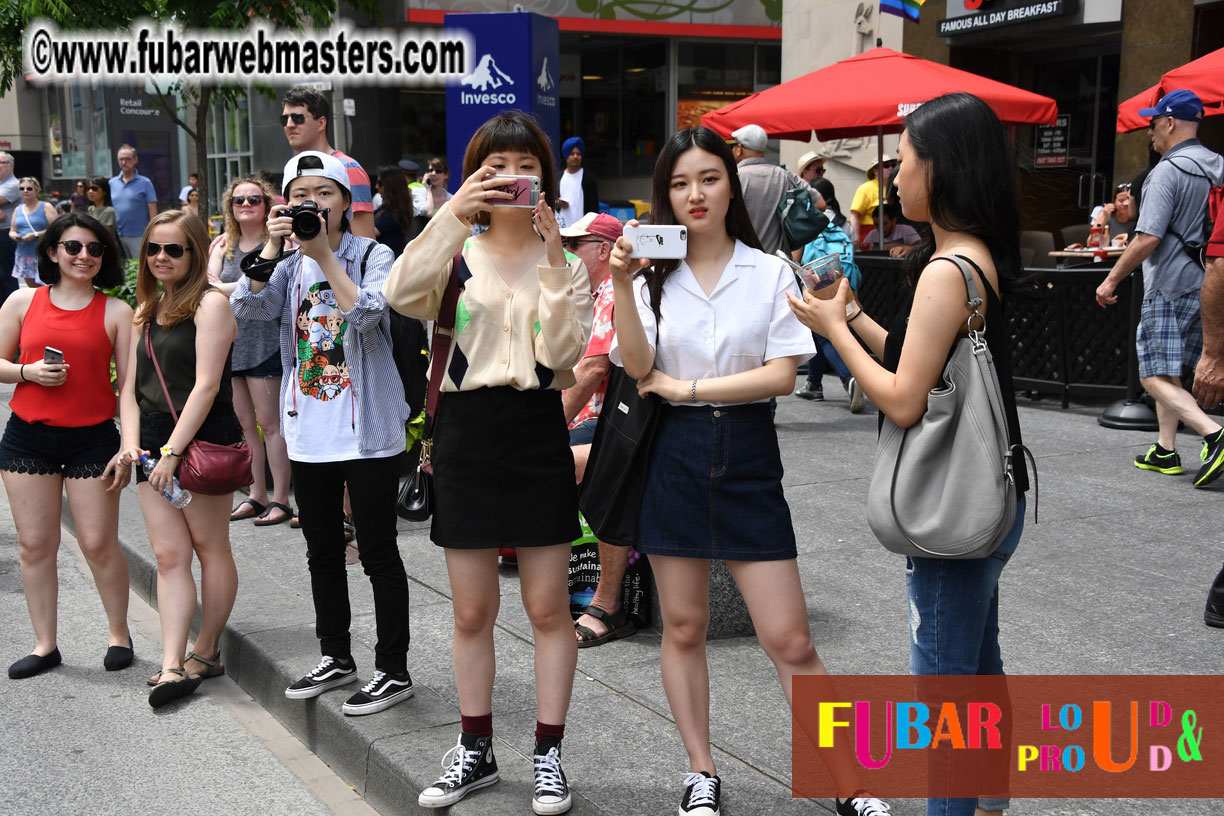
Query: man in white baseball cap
[[764, 183]]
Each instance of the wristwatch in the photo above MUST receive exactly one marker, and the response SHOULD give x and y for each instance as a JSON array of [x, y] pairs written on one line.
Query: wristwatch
[[166, 450]]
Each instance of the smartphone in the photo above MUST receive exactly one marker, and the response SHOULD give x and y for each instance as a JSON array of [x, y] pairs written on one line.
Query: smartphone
[[525, 189], [52, 356], [657, 241]]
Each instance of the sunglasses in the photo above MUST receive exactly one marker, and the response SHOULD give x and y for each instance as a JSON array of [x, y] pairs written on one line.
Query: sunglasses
[[173, 250], [572, 243], [94, 248], [26, 189], [253, 200], [93, 187], [298, 118]]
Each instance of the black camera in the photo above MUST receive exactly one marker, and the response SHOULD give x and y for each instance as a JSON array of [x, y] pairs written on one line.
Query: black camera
[[305, 219]]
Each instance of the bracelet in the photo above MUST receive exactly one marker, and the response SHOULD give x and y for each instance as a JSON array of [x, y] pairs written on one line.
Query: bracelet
[[852, 319], [693, 391], [21, 372]]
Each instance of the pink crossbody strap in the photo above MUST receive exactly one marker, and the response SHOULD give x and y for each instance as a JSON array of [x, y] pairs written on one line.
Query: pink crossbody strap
[[149, 350]]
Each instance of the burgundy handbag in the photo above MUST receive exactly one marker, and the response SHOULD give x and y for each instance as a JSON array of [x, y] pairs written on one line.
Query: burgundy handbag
[[206, 467]]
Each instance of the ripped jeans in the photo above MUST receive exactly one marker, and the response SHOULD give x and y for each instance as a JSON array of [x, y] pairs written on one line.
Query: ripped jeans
[[954, 627]]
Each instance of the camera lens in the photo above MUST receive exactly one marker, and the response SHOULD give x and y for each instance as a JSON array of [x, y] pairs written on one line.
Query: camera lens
[[306, 224]]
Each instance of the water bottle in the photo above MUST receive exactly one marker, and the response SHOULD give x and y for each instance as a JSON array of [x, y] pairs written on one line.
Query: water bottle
[[177, 496]]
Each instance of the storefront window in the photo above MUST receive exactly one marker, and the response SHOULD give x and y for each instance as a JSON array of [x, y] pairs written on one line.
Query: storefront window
[[423, 128], [623, 105], [713, 74], [228, 144]]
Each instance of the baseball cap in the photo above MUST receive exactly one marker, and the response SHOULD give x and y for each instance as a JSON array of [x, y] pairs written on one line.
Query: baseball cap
[[752, 137], [409, 166], [600, 225], [809, 157], [314, 163], [1179, 104]]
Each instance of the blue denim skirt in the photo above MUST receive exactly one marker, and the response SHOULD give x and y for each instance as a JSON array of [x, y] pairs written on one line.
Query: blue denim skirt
[[714, 487]]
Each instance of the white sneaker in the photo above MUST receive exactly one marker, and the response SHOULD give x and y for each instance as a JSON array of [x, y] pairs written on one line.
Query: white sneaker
[[858, 400]]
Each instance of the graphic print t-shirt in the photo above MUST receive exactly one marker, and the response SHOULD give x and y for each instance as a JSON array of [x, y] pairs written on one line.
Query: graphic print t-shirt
[[321, 393]]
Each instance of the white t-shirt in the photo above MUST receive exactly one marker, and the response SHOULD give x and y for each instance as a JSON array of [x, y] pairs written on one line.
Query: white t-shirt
[[571, 193], [743, 324], [321, 392]]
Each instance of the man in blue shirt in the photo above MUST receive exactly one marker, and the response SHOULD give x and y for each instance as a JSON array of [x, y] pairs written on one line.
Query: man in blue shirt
[[134, 199]]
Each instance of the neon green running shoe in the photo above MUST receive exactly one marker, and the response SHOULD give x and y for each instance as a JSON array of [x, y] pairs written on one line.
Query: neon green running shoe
[[1213, 460], [1161, 461]]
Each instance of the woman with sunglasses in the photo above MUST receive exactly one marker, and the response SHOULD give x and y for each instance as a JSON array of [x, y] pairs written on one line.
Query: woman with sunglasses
[[79, 202], [256, 361], [29, 221], [61, 435], [100, 206], [191, 330]]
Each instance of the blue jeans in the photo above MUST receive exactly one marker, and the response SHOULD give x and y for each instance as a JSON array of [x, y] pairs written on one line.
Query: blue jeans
[[825, 352], [954, 627]]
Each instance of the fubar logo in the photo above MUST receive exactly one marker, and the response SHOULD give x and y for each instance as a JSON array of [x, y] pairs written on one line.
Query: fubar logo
[[486, 77]]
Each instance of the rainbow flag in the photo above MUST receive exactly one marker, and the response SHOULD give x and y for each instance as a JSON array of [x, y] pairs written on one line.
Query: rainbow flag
[[902, 8]]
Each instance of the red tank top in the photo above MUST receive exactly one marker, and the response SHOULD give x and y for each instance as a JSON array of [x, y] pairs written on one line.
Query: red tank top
[[86, 397]]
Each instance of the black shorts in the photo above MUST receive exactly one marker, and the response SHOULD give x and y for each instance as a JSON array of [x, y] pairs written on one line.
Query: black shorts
[[74, 453], [220, 427]]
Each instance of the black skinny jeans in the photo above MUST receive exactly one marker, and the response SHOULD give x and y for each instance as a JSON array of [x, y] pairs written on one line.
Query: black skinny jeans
[[373, 487]]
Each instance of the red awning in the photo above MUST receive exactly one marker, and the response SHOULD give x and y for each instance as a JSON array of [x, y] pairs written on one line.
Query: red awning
[[1128, 112], [872, 91], [1204, 76]]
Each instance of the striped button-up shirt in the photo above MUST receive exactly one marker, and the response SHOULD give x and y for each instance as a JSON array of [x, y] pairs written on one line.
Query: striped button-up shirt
[[377, 390]]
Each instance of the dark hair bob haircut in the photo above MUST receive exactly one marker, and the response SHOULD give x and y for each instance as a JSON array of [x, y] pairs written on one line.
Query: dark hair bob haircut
[[739, 225], [971, 179], [110, 273], [517, 131]]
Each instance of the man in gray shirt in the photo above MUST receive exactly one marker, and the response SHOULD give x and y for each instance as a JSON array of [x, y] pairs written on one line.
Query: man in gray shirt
[[764, 183], [1170, 334], [9, 197]]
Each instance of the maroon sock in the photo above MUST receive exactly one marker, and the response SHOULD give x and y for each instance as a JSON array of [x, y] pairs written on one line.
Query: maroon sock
[[481, 726], [548, 736]]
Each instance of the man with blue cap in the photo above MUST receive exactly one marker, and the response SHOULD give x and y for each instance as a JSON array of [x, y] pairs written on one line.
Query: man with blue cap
[[579, 191], [1168, 239]]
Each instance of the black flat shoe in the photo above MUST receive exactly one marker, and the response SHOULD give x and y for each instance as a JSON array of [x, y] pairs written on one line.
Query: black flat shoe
[[33, 664], [167, 691], [119, 657]]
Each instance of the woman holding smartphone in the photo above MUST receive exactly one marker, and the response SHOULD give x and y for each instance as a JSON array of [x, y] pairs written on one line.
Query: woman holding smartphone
[[191, 330], [523, 319], [62, 436], [953, 149], [712, 336]]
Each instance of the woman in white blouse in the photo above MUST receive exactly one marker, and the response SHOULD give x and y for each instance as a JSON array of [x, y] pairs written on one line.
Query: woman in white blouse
[[503, 472], [726, 344]]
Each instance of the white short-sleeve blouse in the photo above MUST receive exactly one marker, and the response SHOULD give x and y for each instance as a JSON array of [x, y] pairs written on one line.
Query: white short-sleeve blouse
[[743, 324]]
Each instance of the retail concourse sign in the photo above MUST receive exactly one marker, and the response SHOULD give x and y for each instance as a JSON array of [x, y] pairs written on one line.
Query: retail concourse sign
[[983, 14]]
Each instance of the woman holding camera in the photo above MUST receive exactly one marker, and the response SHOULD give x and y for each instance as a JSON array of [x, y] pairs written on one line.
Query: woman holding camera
[[524, 316], [343, 413], [953, 149], [190, 330], [61, 435], [712, 336], [256, 357]]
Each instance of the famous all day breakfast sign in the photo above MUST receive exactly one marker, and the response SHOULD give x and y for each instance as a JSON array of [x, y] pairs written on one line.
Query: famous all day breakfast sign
[[965, 16]]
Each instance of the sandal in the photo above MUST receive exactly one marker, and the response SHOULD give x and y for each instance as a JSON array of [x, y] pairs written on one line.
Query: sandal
[[214, 667], [167, 691], [238, 514], [264, 519], [618, 623]]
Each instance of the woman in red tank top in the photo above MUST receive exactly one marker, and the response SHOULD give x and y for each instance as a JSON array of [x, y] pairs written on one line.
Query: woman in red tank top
[[61, 435]]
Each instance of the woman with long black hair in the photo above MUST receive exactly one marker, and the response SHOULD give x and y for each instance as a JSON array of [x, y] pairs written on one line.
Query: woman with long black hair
[[956, 173], [712, 336]]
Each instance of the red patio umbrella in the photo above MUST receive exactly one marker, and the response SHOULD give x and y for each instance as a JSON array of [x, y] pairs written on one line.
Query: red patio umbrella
[[867, 95], [1204, 76], [1128, 112], [870, 94]]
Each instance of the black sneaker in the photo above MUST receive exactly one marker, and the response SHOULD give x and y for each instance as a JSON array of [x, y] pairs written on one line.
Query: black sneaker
[[327, 675], [861, 806], [811, 391], [1160, 460], [383, 691], [1214, 614], [551, 790], [1213, 460], [469, 766], [701, 792]]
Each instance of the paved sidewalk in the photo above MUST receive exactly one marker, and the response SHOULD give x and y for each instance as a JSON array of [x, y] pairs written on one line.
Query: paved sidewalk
[[1113, 580]]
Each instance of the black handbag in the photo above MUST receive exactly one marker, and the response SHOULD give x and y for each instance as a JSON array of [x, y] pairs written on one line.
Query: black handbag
[[610, 496], [415, 501]]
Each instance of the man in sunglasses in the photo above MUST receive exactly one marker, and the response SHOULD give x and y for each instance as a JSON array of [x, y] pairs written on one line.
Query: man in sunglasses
[[812, 165], [134, 199], [1169, 338], [10, 196], [304, 117]]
